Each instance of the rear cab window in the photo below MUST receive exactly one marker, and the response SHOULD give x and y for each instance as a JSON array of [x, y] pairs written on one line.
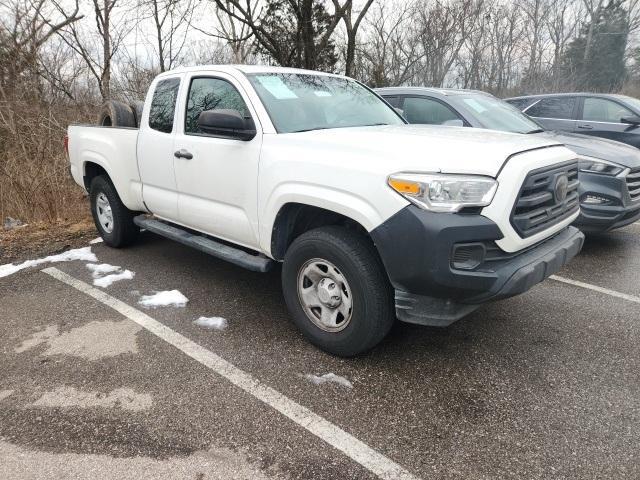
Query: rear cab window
[[163, 105]]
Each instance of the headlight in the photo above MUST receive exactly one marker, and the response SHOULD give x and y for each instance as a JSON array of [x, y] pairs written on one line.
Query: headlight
[[596, 165], [442, 192]]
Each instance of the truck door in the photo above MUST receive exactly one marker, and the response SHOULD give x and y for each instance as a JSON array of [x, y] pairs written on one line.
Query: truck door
[[155, 150], [217, 176]]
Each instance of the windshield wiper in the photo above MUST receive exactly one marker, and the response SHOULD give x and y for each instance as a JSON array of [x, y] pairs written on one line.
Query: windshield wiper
[[537, 130], [336, 126], [310, 129]]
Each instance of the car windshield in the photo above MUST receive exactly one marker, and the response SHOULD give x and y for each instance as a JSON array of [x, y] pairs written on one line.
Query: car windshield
[[302, 102], [495, 114], [632, 102]]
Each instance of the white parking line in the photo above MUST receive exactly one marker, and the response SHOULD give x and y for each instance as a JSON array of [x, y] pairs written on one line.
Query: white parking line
[[595, 288], [373, 461]]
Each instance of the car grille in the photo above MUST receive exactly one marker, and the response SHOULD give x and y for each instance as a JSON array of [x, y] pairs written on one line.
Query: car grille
[[538, 206], [633, 184]]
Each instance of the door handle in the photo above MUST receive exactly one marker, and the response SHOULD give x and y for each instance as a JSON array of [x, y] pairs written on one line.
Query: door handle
[[182, 153], [585, 127]]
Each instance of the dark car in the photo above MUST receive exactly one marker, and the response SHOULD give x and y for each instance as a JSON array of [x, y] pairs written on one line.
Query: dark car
[[609, 171], [616, 117]]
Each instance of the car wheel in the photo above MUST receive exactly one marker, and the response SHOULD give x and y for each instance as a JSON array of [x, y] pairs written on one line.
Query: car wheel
[[113, 219], [337, 290]]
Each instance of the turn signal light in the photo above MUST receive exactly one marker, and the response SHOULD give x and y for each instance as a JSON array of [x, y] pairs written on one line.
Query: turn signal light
[[404, 186]]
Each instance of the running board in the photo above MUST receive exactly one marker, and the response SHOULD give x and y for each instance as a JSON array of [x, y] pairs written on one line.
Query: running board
[[257, 263]]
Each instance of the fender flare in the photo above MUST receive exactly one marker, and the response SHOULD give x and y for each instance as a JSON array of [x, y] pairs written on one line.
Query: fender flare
[[347, 204]]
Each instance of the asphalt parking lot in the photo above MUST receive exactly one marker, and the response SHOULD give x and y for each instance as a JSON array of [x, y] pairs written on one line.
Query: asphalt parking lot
[[94, 385]]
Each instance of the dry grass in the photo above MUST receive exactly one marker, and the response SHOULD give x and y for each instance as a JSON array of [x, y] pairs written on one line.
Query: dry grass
[[35, 182]]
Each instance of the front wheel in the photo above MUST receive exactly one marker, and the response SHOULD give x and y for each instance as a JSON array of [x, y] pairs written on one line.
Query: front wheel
[[337, 291]]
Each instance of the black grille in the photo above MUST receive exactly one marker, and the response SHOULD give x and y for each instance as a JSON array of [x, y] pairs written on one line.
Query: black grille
[[537, 207], [633, 184]]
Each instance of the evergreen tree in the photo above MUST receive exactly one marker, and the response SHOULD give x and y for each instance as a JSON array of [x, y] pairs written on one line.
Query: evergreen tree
[[596, 62], [297, 32]]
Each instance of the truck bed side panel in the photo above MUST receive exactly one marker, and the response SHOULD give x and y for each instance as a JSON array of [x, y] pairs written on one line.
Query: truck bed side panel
[[114, 149]]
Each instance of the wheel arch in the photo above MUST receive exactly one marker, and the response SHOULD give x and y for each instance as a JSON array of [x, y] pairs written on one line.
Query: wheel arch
[[293, 219], [90, 170]]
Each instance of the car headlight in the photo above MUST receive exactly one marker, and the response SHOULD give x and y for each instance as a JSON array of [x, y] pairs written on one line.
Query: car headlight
[[442, 192], [596, 165]]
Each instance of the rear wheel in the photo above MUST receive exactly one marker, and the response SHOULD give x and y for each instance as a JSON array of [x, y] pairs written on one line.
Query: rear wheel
[[113, 219], [337, 291]]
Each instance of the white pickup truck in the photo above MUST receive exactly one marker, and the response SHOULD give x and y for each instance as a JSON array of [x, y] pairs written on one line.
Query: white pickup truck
[[372, 219]]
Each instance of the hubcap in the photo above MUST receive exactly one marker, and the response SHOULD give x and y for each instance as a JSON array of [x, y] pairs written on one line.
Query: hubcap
[[325, 295], [103, 210]]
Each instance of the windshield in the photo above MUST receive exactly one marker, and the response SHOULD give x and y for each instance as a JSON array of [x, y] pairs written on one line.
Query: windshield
[[495, 114], [632, 102], [301, 102]]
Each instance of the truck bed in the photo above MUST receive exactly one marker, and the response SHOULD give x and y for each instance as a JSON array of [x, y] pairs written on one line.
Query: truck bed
[[112, 149]]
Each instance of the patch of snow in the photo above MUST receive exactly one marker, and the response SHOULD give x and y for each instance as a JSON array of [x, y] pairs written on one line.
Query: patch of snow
[[98, 269], [167, 298], [107, 280], [99, 272], [84, 254], [212, 323], [96, 240], [329, 377]]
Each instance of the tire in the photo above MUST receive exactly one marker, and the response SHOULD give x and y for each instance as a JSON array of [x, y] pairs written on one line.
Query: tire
[[116, 114], [355, 259], [121, 231], [136, 107]]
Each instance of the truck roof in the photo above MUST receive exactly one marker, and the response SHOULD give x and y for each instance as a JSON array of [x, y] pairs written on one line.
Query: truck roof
[[235, 68]]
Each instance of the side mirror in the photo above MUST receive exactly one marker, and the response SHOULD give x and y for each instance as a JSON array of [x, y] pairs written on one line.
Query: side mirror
[[631, 120], [399, 111], [227, 123]]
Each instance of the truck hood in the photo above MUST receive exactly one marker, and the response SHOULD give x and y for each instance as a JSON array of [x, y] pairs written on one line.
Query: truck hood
[[427, 148], [596, 147]]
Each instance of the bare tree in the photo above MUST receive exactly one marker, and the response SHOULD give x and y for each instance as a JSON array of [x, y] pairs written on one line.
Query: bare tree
[[109, 36], [535, 18], [237, 35], [311, 45], [443, 30], [352, 32], [25, 26], [170, 20], [390, 53], [562, 25]]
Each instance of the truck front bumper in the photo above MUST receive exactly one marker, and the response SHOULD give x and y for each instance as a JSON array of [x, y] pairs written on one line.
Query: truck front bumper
[[443, 266], [616, 209]]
